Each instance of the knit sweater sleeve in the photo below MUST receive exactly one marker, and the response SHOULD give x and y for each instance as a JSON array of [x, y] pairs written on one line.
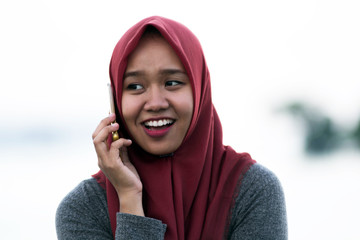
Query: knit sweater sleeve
[[259, 211], [83, 214]]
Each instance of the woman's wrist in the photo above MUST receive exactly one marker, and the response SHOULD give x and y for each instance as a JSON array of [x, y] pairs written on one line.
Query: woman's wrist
[[131, 204]]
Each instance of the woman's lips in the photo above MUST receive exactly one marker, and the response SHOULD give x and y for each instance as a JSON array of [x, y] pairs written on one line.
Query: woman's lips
[[157, 132], [157, 127]]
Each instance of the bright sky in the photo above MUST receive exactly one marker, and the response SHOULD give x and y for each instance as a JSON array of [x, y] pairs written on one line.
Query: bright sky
[[55, 54], [54, 58]]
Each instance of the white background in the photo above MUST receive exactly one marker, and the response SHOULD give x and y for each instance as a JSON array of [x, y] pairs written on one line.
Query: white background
[[54, 58]]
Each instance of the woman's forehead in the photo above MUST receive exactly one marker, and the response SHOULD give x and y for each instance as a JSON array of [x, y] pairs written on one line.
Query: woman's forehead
[[154, 53]]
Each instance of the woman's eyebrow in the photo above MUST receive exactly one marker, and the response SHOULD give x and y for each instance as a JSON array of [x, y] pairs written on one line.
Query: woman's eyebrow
[[169, 71], [134, 74], [172, 71]]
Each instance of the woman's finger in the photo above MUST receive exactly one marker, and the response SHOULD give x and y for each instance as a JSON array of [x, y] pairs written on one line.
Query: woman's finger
[[103, 123], [100, 141], [104, 132], [118, 147], [124, 155], [111, 162]]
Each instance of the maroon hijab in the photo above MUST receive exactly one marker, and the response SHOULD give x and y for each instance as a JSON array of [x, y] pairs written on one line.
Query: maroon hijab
[[193, 189]]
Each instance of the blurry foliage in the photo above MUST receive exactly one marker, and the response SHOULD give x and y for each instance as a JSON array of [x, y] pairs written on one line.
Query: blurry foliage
[[322, 135], [356, 134]]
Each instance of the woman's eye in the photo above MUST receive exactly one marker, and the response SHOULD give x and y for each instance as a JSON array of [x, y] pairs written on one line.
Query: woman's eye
[[172, 83], [134, 86]]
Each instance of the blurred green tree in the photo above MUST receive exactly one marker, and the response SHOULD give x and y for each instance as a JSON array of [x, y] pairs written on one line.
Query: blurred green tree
[[356, 134], [321, 134]]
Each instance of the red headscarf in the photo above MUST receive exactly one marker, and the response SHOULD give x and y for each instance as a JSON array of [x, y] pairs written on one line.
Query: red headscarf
[[193, 189]]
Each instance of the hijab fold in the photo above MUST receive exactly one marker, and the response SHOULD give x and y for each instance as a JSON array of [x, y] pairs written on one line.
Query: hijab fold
[[193, 189]]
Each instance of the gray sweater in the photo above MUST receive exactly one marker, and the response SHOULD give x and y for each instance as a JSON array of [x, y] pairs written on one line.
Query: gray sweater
[[259, 213]]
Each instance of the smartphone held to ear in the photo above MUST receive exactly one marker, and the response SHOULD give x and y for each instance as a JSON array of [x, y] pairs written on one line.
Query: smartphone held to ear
[[115, 135]]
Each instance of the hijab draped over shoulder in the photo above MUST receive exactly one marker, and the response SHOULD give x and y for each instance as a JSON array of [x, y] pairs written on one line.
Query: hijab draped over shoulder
[[193, 189]]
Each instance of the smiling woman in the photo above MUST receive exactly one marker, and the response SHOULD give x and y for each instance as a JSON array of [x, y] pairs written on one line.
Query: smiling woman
[[157, 102], [169, 175]]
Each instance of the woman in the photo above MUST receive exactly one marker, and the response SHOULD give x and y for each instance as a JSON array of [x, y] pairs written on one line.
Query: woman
[[169, 175]]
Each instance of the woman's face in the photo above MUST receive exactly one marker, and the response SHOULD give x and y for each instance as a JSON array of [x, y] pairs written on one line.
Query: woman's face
[[157, 101]]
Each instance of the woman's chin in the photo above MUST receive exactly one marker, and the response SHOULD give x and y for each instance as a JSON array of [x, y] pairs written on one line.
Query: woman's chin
[[159, 150]]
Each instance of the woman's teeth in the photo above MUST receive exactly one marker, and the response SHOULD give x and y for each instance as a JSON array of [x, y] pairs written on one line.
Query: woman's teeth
[[158, 123]]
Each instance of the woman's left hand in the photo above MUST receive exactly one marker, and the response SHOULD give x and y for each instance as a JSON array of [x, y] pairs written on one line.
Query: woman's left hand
[[115, 164]]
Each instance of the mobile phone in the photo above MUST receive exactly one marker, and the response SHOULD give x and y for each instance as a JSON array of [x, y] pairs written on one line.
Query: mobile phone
[[115, 135]]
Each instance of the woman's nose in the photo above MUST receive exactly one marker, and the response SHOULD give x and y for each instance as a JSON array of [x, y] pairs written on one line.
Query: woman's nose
[[156, 100]]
